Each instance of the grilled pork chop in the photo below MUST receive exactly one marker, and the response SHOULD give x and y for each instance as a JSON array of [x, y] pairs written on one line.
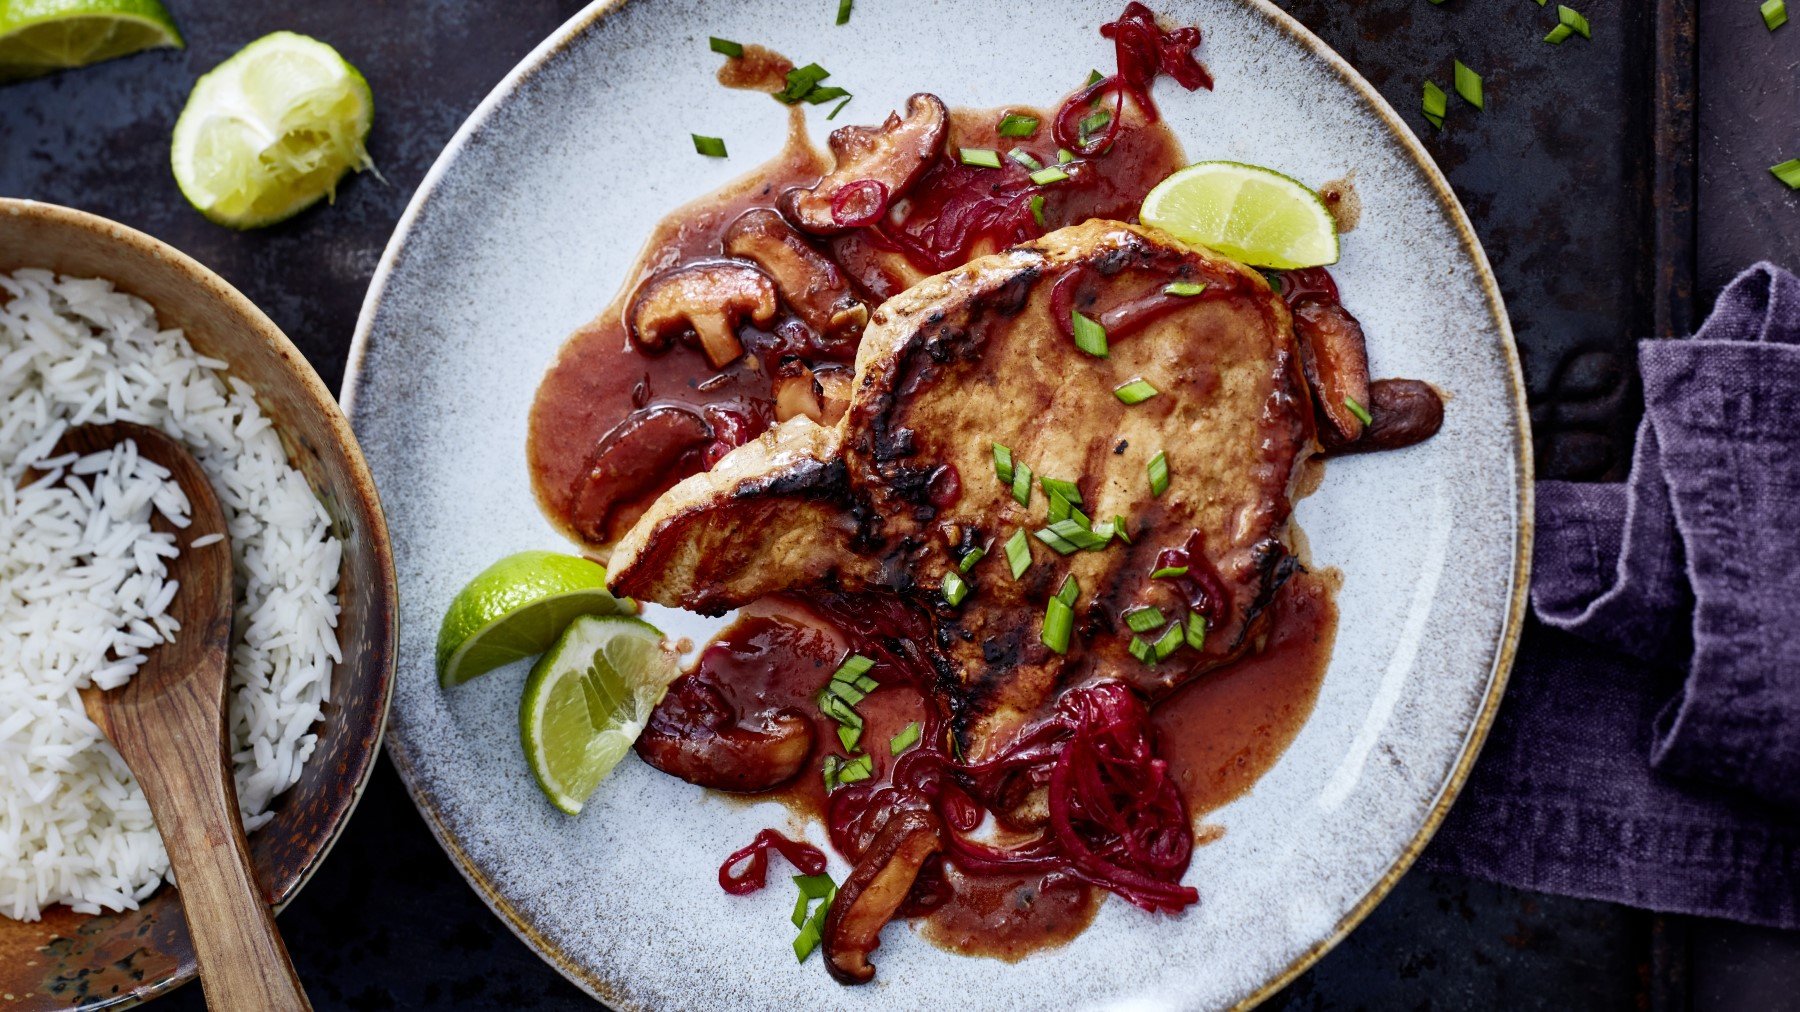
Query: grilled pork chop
[[904, 486]]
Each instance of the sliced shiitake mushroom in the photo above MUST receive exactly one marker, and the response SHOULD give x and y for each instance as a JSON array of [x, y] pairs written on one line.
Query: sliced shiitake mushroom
[[1336, 361], [807, 280], [695, 735], [709, 298], [1402, 412], [874, 166], [876, 888]]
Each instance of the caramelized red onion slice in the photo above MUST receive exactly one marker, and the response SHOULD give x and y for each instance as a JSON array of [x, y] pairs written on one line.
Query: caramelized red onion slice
[[892, 157], [754, 859], [875, 890]]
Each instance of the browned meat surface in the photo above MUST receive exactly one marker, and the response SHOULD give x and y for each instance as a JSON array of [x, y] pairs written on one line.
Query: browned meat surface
[[896, 492]]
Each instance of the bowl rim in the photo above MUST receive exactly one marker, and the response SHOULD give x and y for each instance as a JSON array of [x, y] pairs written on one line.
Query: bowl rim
[[362, 486], [1506, 647]]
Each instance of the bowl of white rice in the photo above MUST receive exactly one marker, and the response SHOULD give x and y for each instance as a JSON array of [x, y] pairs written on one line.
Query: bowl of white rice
[[101, 323]]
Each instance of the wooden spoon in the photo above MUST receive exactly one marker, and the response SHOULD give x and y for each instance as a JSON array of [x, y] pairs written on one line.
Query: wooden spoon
[[168, 724]]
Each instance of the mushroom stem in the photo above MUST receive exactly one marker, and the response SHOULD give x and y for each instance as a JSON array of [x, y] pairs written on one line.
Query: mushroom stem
[[875, 889]]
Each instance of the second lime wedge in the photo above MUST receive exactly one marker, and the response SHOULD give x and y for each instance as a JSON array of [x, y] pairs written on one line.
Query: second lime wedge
[[516, 608], [1249, 213], [40, 36]]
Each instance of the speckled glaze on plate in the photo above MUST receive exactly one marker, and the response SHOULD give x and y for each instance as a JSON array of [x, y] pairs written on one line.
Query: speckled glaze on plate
[[523, 231], [114, 960]]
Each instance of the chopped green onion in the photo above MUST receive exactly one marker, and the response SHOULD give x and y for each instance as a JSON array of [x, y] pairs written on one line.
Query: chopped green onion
[[1196, 630], [975, 555], [1142, 650], [1788, 172], [1094, 122], [810, 936], [1077, 533], [1023, 157], [907, 738], [1361, 413], [1568, 16], [820, 96], [846, 691], [1122, 529], [1056, 541], [1436, 104], [1014, 125], [1067, 489], [801, 908], [837, 109], [1135, 391], [1169, 572], [1071, 589], [1184, 288], [1559, 35], [843, 17], [725, 47], [1094, 77], [1159, 473], [1059, 621], [1774, 13], [1003, 464], [1468, 85], [1090, 337], [800, 83], [1021, 483], [830, 769], [711, 147], [1064, 156], [815, 887], [860, 768], [849, 736], [1018, 553], [955, 588], [1059, 508], [854, 666], [1104, 530], [986, 158], [1037, 210], [865, 683], [1143, 619], [1048, 174], [1169, 643]]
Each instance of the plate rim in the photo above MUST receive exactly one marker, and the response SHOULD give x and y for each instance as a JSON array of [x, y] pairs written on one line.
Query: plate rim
[[1500, 669]]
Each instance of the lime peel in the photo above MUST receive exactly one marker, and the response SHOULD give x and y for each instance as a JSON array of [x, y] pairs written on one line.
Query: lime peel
[[42, 36], [516, 608]]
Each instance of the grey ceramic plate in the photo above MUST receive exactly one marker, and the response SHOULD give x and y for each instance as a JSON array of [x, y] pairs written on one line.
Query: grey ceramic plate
[[523, 230]]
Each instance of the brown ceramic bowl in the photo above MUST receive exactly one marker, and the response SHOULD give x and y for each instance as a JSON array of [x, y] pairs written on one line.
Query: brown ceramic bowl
[[70, 960]]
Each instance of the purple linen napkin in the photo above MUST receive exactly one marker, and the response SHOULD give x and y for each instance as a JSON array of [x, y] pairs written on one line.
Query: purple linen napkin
[[1648, 751]]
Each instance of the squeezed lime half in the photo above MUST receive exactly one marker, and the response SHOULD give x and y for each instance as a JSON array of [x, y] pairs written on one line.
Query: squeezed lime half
[[1249, 213]]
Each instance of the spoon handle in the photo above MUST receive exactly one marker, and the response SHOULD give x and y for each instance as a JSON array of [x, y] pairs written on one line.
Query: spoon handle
[[243, 963]]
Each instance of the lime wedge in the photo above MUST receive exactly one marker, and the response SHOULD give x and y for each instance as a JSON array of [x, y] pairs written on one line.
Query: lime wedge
[[515, 609], [1249, 213], [271, 130], [587, 700], [39, 36]]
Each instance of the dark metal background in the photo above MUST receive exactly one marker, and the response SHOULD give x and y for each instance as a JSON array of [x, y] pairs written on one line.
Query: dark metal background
[[1583, 177]]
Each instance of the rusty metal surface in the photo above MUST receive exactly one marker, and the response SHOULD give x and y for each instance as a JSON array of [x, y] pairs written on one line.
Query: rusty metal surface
[[1570, 175]]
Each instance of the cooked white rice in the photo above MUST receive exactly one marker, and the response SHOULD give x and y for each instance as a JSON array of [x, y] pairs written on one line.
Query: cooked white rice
[[83, 585]]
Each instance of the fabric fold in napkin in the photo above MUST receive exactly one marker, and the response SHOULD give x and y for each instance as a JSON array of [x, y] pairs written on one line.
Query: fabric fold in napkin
[[1648, 750]]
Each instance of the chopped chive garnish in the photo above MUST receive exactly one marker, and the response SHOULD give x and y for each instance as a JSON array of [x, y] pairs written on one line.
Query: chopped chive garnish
[[856, 769], [1094, 122], [1023, 157], [820, 96], [1559, 35], [812, 934], [1468, 85], [800, 83], [1184, 288], [986, 158], [975, 555], [1037, 210], [1014, 125], [1569, 16], [815, 887], [1048, 174], [1059, 621], [1169, 572], [838, 710], [853, 667], [1774, 13], [711, 147], [1071, 589], [1436, 104], [849, 736], [843, 17], [1142, 650], [1159, 473], [725, 47], [1104, 530], [1018, 554], [830, 769], [1361, 413], [1122, 529], [801, 908], [846, 691], [1003, 464], [865, 683], [1056, 541], [1064, 156], [1143, 619], [907, 738], [955, 588], [837, 109], [1021, 483], [1090, 336], [1067, 489], [1094, 77], [1059, 508], [1135, 391], [1077, 533], [1788, 172], [1196, 630], [1169, 643]]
